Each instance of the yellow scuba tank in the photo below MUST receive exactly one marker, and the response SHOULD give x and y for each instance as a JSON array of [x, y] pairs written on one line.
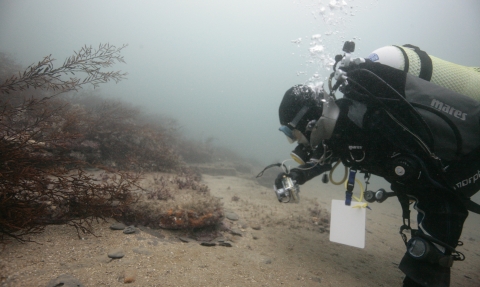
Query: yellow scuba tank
[[461, 79]]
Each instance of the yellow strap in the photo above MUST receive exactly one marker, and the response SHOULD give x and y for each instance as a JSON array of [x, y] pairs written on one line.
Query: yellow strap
[[344, 180], [364, 204]]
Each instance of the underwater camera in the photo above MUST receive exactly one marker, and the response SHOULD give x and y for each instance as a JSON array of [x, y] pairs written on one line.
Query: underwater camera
[[289, 192]]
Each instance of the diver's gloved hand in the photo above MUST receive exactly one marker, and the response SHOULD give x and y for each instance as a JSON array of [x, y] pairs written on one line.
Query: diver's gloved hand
[[295, 175], [303, 175]]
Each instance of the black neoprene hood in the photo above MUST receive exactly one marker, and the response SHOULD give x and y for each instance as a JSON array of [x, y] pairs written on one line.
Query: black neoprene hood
[[294, 100]]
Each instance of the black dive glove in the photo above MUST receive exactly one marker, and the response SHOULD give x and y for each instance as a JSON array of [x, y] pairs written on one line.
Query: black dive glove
[[294, 175], [303, 174]]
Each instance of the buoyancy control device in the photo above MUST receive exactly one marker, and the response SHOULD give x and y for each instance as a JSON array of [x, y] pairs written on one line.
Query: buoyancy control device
[[433, 100], [458, 112]]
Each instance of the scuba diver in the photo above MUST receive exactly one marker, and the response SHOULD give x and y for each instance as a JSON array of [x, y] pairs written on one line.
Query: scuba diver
[[408, 117]]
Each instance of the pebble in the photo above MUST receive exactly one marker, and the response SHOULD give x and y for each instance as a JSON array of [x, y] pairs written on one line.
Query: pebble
[[185, 239], [116, 253], [255, 226], [232, 216], [129, 229], [221, 239], [226, 244], [117, 226], [243, 224], [65, 280], [236, 232], [209, 244]]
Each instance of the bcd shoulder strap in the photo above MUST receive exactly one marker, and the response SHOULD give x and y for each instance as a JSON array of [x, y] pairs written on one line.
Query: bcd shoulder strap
[[472, 206]]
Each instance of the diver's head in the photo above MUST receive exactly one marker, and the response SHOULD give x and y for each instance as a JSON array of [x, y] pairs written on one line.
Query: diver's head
[[299, 110]]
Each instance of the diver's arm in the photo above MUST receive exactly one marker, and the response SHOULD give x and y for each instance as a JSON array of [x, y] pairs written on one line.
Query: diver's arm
[[303, 173], [306, 172]]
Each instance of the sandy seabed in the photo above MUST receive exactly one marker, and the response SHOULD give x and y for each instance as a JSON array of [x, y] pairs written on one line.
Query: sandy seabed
[[285, 247]]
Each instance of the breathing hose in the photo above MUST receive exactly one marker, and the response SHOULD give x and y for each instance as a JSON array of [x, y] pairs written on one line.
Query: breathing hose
[[330, 176]]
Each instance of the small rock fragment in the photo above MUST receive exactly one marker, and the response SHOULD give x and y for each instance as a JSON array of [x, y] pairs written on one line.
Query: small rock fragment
[[117, 226], [236, 232], [208, 244], [232, 216], [185, 239], [255, 226], [226, 244], [116, 253], [129, 229]]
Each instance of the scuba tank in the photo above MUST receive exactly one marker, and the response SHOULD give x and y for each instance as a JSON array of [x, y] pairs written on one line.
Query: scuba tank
[[410, 59]]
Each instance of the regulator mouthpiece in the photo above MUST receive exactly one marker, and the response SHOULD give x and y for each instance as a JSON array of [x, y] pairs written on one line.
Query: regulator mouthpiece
[[300, 154]]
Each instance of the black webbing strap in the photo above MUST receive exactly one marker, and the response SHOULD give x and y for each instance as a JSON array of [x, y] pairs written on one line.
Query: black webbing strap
[[426, 68], [472, 206], [298, 117], [406, 61], [405, 203]]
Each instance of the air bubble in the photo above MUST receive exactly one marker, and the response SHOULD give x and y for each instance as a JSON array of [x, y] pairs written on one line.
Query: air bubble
[[316, 49], [297, 41]]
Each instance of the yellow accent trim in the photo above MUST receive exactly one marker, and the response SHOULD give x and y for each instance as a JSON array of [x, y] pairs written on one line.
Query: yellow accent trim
[[297, 159]]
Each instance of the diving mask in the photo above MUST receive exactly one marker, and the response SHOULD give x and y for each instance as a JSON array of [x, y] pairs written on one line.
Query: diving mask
[[290, 129], [293, 135], [318, 130]]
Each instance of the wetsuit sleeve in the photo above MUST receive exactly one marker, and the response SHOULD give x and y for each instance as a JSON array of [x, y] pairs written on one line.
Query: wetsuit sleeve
[[305, 172]]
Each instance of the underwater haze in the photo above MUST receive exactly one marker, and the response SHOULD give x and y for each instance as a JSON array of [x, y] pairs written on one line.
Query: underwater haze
[[221, 67]]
